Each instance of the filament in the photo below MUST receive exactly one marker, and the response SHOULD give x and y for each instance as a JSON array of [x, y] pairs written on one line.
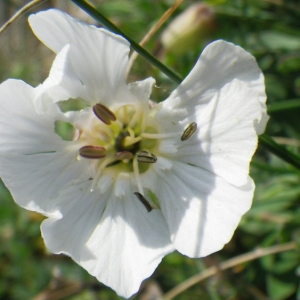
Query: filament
[[137, 176]]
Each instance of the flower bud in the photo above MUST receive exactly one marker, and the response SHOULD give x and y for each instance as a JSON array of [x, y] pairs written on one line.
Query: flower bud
[[188, 29]]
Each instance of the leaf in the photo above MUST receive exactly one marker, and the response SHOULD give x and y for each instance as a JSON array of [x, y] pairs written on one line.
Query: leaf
[[275, 40], [278, 289]]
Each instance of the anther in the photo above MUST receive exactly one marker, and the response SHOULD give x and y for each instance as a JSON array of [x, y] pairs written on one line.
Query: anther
[[124, 155], [144, 201], [94, 152], [104, 114], [146, 157], [189, 131]]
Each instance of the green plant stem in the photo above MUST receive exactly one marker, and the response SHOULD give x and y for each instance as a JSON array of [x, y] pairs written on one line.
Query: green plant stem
[[20, 12], [264, 139], [109, 25], [279, 150], [230, 263]]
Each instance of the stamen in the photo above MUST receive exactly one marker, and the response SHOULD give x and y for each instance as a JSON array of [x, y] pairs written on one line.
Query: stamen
[[103, 165], [189, 131], [144, 201], [93, 152], [146, 157], [104, 114], [159, 135], [145, 106], [137, 175], [134, 119], [124, 155]]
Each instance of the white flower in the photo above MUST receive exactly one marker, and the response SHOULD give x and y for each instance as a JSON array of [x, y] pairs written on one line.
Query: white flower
[[97, 189]]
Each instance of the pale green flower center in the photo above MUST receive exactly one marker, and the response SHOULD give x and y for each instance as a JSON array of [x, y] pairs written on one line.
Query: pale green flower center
[[126, 139], [121, 137], [115, 140]]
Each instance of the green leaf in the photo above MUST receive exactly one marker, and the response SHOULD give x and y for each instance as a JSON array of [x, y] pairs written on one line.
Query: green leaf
[[284, 105], [279, 151], [278, 289], [275, 40]]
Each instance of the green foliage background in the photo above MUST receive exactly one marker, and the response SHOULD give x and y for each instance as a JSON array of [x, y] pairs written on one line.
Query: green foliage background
[[270, 30]]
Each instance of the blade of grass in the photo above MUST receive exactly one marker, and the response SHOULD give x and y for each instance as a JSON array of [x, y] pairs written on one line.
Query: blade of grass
[[284, 105], [279, 151]]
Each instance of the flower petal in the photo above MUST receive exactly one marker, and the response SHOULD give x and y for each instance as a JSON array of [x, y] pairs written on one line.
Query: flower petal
[[34, 161], [220, 63], [225, 139], [22, 130], [142, 89], [113, 237], [202, 214], [36, 179], [98, 57], [63, 83]]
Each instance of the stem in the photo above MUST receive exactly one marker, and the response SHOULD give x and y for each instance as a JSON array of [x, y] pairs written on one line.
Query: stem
[[152, 31], [279, 151], [230, 263], [20, 12], [109, 25]]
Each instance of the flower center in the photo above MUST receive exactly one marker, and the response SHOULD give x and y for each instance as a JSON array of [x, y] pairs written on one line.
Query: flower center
[[114, 140], [124, 140]]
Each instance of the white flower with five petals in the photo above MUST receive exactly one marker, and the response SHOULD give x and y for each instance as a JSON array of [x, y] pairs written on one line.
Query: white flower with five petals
[[138, 180]]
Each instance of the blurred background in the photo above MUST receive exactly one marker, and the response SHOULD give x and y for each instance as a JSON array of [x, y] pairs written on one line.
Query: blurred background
[[270, 30]]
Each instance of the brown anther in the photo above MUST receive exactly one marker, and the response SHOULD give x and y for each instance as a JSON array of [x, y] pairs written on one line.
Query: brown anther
[[189, 131], [144, 201], [94, 152], [124, 155], [104, 114], [146, 157]]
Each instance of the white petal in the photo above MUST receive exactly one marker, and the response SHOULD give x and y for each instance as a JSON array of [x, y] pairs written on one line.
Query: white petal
[[57, 29], [22, 130], [225, 139], [62, 83], [35, 180], [142, 89], [113, 238], [34, 161], [201, 209], [99, 58], [220, 63]]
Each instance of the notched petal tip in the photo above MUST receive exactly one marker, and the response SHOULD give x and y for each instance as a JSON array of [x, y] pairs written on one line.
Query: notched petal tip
[[93, 152]]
